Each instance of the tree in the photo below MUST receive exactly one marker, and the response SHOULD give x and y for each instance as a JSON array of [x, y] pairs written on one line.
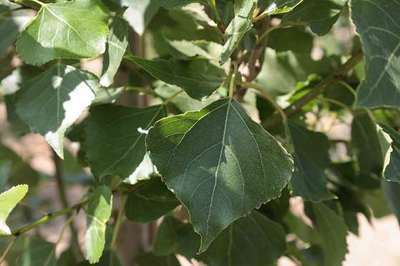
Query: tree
[[233, 126]]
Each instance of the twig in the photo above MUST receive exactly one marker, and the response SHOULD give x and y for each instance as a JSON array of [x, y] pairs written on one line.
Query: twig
[[47, 218], [119, 221]]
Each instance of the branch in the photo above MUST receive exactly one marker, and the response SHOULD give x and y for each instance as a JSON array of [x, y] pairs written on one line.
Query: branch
[[47, 218], [58, 176], [297, 106]]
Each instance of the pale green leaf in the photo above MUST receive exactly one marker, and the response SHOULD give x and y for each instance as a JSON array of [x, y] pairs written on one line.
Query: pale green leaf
[[109, 258], [378, 26], [98, 212], [140, 12], [66, 29], [117, 43], [219, 163], [206, 49], [238, 27], [115, 138], [51, 102], [311, 159], [182, 101], [391, 171], [149, 201], [332, 230], [276, 7], [8, 200], [198, 77]]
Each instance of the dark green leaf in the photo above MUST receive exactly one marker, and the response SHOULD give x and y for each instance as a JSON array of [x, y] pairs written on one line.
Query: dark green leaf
[[117, 43], [37, 252], [370, 143], [219, 163], [149, 201], [254, 240], [319, 15], [10, 25], [391, 191], [148, 259], [54, 100], [282, 70], [115, 137], [378, 27], [281, 40], [197, 77], [18, 170], [98, 212], [311, 160], [332, 230], [175, 237]]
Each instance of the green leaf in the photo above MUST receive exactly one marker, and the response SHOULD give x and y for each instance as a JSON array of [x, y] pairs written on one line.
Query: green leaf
[[67, 29], [219, 163], [311, 159], [319, 15], [17, 169], [149, 201], [281, 40], [391, 171], [10, 25], [8, 200], [276, 7], [238, 27], [198, 77], [391, 191], [182, 101], [140, 12], [377, 25], [149, 259], [281, 71], [115, 138], [175, 237], [37, 252], [254, 240], [109, 258], [332, 230], [205, 49], [370, 143], [117, 43], [98, 212], [54, 100]]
